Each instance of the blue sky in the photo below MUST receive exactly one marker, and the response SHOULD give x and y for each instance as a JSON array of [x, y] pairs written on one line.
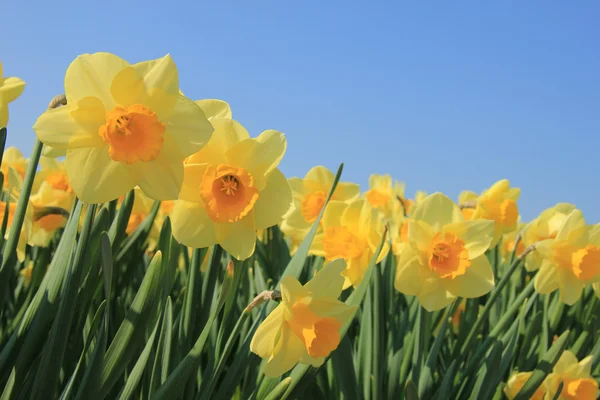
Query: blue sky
[[444, 96]]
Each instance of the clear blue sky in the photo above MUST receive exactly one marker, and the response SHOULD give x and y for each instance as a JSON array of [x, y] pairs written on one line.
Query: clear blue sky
[[444, 96]]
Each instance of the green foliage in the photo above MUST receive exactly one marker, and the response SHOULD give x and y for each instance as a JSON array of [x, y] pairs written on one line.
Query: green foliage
[[105, 316]]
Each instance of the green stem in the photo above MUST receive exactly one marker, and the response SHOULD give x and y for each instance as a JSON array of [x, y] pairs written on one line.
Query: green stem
[[3, 135]]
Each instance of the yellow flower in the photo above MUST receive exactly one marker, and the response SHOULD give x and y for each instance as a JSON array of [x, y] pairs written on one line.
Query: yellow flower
[[10, 89], [545, 226], [46, 221], [515, 384], [499, 204], [467, 201], [508, 243], [9, 213], [310, 194], [26, 272], [571, 260], [13, 158], [445, 257], [384, 196], [231, 188], [214, 108], [399, 233], [578, 383], [123, 126], [353, 232], [305, 326]]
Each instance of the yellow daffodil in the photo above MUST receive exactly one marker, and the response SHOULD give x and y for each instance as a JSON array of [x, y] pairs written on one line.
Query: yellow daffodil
[[467, 200], [515, 384], [385, 196], [214, 108], [12, 158], [410, 204], [9, 213], [305, 326], [545, 226], [446, 257], [231, 188], [578, 383], [46, 220], [54, 173], [499, 204], [26, 272], [310, 194], [10, 89], [399, 233], [353, 232], [571, 260], [123, 126], [509, 241]]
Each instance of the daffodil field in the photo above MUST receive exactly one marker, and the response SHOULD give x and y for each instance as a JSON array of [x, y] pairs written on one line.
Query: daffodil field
[[152, 249]]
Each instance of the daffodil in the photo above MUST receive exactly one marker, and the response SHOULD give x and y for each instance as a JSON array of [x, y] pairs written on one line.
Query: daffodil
[[8, 209], [13, 158], [571, 260], [124, 126], [446, 257], [51, 208], [351, 231], [515, 384], [26, 273], [385, 196], [310, 194], [231, 188], [578, 383], [399, 233], [545, 226], [499, 204], [10, 89], [509, 241], [305, 326], [467, 200]]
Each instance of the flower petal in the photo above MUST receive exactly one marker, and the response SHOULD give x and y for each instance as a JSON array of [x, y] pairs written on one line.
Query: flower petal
[[265, 337], [227, 133], [274, 202], [192, 226], [160, 179], [477, 235], [437, 210], [214, 108], [291, 289], [546, 280], [161, 83], [91, 75], [10, 89], [408, 278], [435, 300], [72, 126], [238, 238], [569, 287], [95, 177], [192, 179], [477, 280], [573, 221], [188, 126], [328, 282], [288, 351], [259, 156], [333, 213]]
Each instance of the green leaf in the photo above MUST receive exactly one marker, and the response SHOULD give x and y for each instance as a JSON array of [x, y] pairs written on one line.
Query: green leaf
[[544, 367], [160, 370], [489, 376], [90, 383], [410, 390]]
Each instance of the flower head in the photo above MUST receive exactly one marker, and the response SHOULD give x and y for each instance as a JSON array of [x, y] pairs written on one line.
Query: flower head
[[499, 204], [384, 196], [445, 257], [10, 89], [578, 383], [231, 188], [124, 126], [12, 158], [571, 260], [310, 195], [515, 384], [305, 326], [353, 232]]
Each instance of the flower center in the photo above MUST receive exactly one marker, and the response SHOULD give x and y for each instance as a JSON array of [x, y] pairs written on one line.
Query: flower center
[[580, 389], [133, 134], [509, 212], [339, 242], [321, 335], [447, 255], [228, 192], [377, 198], [59, 181], [312, 205], [586, 262]]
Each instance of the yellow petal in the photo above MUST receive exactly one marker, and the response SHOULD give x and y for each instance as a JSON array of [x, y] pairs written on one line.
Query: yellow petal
[[570, 288], [192, 226], [161, 83], [477, 280], [91, 75], [573, 221], [420, 235], [259, 156], [346, 191], [3, 115], [328, 282], [265, 337], [95, 177], [546, 280], [188, 126], [318, 178], [437, 210], [53, 152], [192, 178], [238, 238], [10, 89], [477, 235], [159, 179], [297, 186], [227, 133], [274, 202], [408, 278], [127, 87], [291, 290], [333, 213], [435, 299], [288, 351], [214, 108], [72, 126], [328, 307]]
